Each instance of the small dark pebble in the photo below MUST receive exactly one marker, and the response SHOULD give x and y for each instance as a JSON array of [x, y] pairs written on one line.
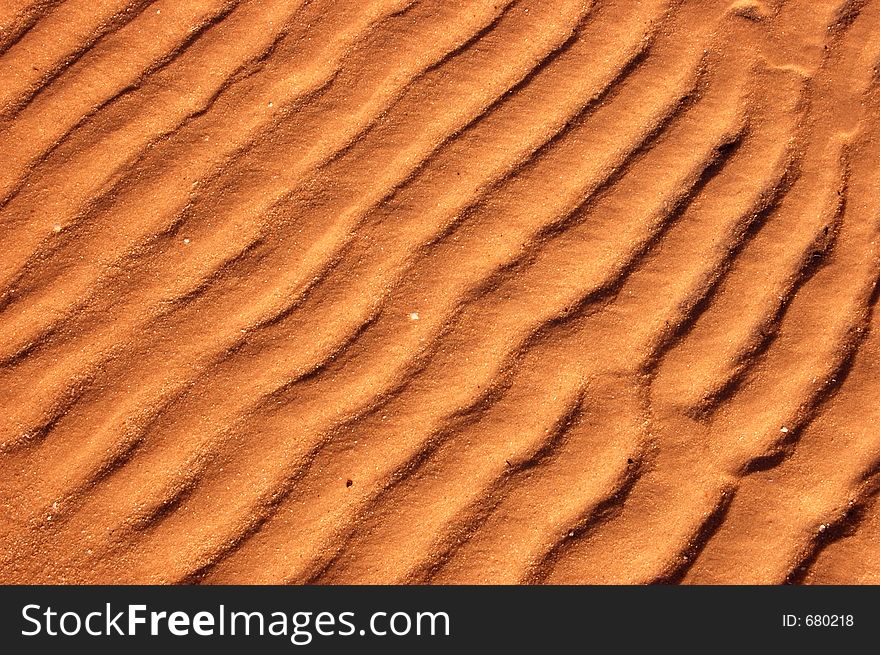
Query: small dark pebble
[[348, 483]]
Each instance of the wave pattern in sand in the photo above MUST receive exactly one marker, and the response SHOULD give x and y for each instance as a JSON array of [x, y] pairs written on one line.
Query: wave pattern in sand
[[486, 291]]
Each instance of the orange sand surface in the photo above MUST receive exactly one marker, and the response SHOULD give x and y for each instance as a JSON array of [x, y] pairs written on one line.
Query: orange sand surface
[[439, 291]]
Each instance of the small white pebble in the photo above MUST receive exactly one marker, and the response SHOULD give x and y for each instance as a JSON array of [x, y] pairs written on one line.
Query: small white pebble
[[783, 429], [270, 104], [158, 11], [186, 240], [56, 229], [822, 527], [414, 316]]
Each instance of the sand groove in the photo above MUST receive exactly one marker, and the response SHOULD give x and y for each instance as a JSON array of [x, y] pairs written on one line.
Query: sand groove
[[429, 291]]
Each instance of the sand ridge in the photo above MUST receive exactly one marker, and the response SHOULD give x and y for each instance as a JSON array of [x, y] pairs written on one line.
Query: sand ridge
[[424, 291]]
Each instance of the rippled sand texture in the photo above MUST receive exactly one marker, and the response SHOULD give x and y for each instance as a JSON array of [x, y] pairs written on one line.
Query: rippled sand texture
[[439, 291]]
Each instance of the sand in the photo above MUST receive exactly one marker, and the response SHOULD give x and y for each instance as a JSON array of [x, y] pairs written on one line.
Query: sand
[[491, 291]]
